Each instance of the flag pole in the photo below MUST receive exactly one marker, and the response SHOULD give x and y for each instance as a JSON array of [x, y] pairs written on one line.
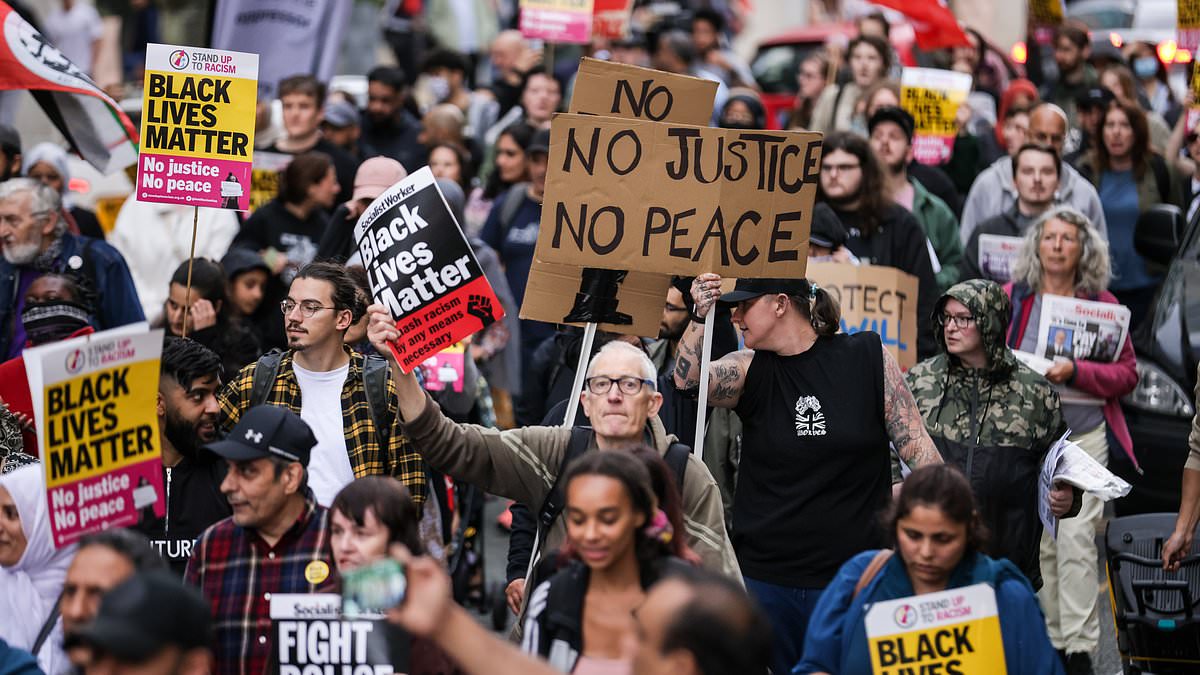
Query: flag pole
[[187, 298], [705, 358], [585, 352]]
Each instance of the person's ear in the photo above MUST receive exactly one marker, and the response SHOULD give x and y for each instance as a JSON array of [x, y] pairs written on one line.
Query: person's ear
[[293, 476], [345, 320], [682, 662], [195, 662], [160, 405], [51, 223], [654, 404]]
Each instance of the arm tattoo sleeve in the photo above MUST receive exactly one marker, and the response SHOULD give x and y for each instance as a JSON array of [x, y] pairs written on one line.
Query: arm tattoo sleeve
[[687, 361], [904, 424]]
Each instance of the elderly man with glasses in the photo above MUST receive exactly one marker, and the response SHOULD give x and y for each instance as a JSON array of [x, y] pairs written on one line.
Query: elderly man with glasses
[[621, 399], [346, 398], [34, 240]]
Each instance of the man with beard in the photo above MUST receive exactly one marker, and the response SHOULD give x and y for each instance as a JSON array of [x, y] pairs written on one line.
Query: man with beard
[[387, 126], [35, 241], [187, 408], [347, 399], [891, 138]]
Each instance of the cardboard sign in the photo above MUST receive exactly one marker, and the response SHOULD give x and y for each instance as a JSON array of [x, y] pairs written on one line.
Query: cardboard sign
[[679, 199], [550, 296], [874, 298], [266, 176], [198, 111], [94, 401], [563, 21], [312, 637], [932, 97], [1188, 22], [1046, 13], [422, 269], [610, 19], [998, 256], [952, 631], [633, 92]]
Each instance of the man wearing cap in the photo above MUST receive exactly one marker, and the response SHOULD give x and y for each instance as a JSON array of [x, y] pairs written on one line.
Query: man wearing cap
[[373, 178], [994, 192], [515, 239], [34, 240], [1036, 169], [340, 125], [276, 541], [1089, 107], [150, 622], [891, 134]]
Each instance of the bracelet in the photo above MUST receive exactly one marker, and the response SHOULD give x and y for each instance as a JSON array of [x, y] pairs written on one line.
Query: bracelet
[[696, 317]]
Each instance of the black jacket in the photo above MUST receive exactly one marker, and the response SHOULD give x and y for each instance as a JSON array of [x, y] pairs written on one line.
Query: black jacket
[[194, 502]]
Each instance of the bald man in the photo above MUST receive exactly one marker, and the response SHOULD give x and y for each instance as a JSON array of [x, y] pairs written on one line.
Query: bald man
[[994, 193]]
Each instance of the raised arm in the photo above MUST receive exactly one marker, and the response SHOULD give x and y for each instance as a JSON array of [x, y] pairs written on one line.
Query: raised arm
[[905, 426], [728, 374], [381, 330]]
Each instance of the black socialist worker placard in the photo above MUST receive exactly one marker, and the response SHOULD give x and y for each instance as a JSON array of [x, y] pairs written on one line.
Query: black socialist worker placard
[[422, 269]]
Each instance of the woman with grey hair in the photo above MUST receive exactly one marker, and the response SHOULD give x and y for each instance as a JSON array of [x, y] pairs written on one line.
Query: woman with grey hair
[[1063, 254]]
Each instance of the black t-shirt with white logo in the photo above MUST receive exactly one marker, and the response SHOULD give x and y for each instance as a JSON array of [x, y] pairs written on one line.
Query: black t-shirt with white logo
[[814, 472]]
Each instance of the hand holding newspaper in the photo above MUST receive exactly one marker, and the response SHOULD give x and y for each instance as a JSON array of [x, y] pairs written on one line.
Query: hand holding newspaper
[[1066, 462]]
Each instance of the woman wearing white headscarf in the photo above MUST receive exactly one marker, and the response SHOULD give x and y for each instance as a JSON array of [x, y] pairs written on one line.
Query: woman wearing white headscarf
[[47, 164], [31, 569]]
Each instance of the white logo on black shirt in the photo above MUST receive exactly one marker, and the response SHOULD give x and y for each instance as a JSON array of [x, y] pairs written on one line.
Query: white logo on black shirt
[[810, 421]]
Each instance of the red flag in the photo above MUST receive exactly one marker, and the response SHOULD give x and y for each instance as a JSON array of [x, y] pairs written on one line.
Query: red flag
[[91, 121], [933, 22]]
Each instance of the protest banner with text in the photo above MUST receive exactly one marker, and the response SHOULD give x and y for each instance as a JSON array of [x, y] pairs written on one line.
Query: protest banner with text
[[266, 175], [610, 19], [422, 269], [998, 256], [564, 21], [198, 112], [1046, 13], [874, 298], [952, 631], [680, 199], [94, 402], [932, 96], [312, 636], [1188, 23]]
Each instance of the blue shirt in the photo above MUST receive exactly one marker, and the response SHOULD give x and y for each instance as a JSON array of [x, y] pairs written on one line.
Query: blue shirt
[[1119, 197]]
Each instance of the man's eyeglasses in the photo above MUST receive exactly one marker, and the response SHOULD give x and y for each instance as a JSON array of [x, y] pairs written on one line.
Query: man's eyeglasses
[[959, 321], [629, 385], [307, 309]]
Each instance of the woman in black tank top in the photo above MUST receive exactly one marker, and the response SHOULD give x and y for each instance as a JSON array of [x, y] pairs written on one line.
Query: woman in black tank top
[[818, 409]]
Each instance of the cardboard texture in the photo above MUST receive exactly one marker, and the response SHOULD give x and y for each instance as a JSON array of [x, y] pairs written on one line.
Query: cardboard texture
[[550, 294], [874, 298], [633, 92], [630, 92], [682, 199]]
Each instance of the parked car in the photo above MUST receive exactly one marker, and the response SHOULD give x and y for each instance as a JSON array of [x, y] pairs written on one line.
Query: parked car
[[1160, 410]]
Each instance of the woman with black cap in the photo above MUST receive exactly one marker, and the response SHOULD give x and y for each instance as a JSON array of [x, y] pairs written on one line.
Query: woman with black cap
[[818, 410]]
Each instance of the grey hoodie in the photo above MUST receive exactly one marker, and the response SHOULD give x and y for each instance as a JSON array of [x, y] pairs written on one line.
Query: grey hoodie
[[994, 193]]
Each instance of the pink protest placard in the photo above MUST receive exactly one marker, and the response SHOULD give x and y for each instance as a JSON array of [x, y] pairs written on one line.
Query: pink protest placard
[[562, 21]]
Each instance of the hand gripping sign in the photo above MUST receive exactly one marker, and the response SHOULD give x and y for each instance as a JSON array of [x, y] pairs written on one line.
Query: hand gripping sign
[[953, 631], [94, 403], [422, 269], [198, 111]]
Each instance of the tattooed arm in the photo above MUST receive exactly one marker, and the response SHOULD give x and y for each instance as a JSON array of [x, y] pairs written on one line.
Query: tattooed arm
[[905, 426], [727, 376]]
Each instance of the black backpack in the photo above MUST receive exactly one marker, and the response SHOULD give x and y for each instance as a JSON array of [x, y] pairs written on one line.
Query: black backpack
[[676, 459], [375, 375]]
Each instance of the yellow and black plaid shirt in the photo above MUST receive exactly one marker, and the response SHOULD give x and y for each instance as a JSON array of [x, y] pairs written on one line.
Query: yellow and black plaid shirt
[[398, 460]]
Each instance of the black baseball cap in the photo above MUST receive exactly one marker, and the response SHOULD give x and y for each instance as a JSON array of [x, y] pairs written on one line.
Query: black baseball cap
[[144, 614], [239, 260], [827, 229], [267, 431], [1094, 97], [890, 113], [747, 289], [540, 142]]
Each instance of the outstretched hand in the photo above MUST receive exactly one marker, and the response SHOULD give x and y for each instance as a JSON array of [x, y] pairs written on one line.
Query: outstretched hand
[[427, 600]]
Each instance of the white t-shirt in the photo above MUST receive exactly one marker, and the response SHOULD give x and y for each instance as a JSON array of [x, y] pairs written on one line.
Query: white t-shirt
[[329, 467], [74, 33]]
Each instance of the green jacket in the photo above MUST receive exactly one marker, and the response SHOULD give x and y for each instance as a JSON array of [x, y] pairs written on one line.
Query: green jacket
[[941, 227]]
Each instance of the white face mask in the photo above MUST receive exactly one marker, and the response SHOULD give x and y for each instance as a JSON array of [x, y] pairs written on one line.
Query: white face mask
[[439, 87]]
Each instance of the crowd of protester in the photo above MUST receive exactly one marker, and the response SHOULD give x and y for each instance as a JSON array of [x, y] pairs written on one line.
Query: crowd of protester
[[291, 437]]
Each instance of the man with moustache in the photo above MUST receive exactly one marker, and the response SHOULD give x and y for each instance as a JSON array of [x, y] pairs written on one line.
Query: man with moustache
[[190, 375]]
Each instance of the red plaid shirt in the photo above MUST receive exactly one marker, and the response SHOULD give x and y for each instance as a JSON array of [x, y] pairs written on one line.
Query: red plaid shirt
[[238, 572]]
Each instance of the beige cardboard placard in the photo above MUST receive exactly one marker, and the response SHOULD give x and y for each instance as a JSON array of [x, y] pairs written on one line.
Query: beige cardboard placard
[[874, 298], [633, 92], [550, 295], [680, 199]]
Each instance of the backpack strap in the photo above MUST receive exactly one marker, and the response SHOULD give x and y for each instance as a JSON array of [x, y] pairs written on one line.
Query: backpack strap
[[677, 459], [375, 377], [47, 627], [881, 558], [556, 499], [265, 371]]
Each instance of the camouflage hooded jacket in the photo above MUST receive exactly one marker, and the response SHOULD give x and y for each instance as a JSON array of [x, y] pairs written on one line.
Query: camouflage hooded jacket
[[1003, 404]]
